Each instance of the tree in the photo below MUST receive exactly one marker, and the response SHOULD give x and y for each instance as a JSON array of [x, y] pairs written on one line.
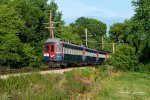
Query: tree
[[10, 20], [69, 34], [117, 32], [34, 13], [10, 50], [95, 28], [10, 43], [142, 18], [136, 30]]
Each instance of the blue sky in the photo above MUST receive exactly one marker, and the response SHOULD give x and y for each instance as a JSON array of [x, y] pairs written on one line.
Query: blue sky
[[108, 11]]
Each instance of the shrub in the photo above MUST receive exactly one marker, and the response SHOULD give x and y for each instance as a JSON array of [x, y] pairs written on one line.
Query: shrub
[[124, 58], [142, 68]]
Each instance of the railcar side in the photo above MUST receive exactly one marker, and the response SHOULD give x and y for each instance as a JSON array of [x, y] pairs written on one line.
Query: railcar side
[[57, 52], [72, 53]]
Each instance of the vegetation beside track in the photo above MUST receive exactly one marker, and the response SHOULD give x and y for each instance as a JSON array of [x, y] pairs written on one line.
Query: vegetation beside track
[[97, 84]]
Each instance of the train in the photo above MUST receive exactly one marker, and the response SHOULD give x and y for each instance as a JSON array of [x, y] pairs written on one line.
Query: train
[[59, 53]]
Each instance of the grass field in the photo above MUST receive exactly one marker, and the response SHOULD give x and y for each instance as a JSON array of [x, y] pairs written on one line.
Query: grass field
[[92, 84]]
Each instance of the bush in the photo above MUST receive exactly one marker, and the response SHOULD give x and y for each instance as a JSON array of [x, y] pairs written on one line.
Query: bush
[[142, 68], [124, 58], [10, 50]]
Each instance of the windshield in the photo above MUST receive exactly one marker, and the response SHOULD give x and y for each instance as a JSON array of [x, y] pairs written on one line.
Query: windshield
[[46, 48], [52, 48], [58, 48]]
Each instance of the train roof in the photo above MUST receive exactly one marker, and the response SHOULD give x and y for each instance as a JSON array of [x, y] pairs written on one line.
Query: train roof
[[58, 40], [53, 40]]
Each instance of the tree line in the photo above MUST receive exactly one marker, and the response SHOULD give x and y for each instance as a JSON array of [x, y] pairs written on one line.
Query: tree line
[[135, 34], [22, 32]]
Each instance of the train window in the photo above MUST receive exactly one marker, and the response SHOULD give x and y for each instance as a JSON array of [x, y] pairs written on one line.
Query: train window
[[68, 51], [58, 49], [52, 48], [71, 51], [46, 48], [65, 50]]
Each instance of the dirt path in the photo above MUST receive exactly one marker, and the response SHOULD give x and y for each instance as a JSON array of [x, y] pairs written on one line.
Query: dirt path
[[59, 71]]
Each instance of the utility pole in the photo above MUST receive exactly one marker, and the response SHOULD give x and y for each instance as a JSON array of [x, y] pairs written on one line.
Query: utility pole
[[102, 42], [51, 25], [86, 35], [113, 47]]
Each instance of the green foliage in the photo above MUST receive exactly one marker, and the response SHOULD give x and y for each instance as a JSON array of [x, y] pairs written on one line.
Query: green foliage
[[116, 31], [95, 28], [35, 13], [10, 20], [136, 30], [69, 34], [28, 56], [10, 50], [108, 46], [142, 68], [124, 58], [140, 28], [14, 53]]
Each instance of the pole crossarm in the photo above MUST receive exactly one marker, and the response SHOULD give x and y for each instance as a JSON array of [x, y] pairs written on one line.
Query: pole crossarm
[[45, 23], [56, 22], [50, 27], [51, 23]]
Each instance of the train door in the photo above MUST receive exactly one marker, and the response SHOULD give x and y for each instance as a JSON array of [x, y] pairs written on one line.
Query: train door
[[106, 56], [46, 52], [83, 55], [52, 52], [97, 56]]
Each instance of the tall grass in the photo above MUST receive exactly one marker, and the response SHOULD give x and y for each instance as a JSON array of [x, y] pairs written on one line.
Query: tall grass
[[89, 83], [31, 86]]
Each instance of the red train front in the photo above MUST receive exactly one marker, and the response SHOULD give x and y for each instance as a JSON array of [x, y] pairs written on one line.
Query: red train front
[[53, 50]]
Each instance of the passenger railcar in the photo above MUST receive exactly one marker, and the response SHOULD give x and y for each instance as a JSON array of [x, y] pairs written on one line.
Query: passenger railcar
[[61, 53]]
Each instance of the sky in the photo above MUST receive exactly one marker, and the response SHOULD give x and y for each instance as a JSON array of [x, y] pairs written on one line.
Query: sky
[[107, 11]]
